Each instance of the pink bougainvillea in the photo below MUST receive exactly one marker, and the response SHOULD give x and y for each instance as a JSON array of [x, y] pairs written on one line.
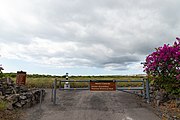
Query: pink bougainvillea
[[164, 64]]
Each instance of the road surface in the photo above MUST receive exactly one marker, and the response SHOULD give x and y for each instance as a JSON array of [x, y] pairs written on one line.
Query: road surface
[[87, 105]]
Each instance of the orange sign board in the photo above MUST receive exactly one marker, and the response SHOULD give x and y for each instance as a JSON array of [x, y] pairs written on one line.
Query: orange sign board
[[102, 85]]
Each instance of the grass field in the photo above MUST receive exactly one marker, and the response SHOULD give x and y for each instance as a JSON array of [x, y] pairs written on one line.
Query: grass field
[[46, 82]]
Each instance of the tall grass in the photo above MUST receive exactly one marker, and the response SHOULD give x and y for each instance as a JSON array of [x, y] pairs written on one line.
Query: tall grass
[[39, 82], [46, 82]]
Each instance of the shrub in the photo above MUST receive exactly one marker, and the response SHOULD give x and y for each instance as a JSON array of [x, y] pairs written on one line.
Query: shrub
[[163, 66]]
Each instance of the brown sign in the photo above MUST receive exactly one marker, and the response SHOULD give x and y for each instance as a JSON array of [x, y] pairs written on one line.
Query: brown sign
[[21, 78], [102, 85]]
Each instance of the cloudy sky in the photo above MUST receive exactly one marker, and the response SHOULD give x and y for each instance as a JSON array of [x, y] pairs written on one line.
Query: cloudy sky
[[84, 37]]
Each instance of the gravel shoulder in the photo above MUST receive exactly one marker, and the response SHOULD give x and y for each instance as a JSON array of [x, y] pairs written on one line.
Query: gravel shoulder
[[87, 105]]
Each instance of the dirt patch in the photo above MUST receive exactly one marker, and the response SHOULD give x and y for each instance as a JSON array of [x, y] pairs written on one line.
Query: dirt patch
[[10, 115]]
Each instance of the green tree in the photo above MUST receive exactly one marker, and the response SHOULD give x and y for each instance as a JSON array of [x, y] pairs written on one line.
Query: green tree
[[1, 73]]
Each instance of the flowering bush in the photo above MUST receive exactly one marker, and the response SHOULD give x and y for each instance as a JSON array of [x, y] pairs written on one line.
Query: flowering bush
[[163, 66]]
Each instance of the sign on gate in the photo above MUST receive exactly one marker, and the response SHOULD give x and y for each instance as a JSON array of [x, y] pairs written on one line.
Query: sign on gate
[[102, 85]]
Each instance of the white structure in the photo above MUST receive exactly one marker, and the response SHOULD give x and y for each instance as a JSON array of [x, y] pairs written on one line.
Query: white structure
[[67, 85]]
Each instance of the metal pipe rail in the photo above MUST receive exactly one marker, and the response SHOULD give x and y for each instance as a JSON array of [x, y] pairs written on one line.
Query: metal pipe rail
[[75, 80], [129, 88], [129, 80], [145, 87], [102, 80], [74, 89]]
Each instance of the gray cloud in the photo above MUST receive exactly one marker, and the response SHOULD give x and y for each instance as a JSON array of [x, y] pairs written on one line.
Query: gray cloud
[[102, 33]]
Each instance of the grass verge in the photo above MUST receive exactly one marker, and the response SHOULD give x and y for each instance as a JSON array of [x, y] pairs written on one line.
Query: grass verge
[[3, 105]]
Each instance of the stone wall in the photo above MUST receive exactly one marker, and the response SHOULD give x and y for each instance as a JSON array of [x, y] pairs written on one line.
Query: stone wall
[[160, 96], [168, 106], [19, 96]]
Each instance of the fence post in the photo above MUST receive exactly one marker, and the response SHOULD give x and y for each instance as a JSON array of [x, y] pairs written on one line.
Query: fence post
[[116, 84], [147, 91], [89, 86], [59, 84], [40, 100], [54, 92]]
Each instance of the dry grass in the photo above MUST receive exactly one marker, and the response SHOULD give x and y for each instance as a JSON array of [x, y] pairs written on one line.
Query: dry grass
[[44, 82]]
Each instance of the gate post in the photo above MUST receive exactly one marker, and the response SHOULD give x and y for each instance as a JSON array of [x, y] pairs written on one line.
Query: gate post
[[116, 85], [144, 89], [40, 100], [54, 92], [59, 84], [147, 91], [89, 84]]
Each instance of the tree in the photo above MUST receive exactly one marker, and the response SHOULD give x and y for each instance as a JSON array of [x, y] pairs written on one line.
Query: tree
[[1, 73], [163, 66]]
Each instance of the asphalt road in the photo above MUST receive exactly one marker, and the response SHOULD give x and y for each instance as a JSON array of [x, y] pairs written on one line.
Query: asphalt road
[[87, 105]]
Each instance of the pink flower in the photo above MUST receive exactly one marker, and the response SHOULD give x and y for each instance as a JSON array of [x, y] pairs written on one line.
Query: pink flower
[[164, 61], [178, 77], [177, 38]]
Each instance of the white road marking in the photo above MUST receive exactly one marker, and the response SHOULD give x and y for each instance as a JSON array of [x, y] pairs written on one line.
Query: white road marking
[[128, 118]]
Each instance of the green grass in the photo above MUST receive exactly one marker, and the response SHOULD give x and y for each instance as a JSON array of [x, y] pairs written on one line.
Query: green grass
[[39, 82], [3, 105], [46, 82]]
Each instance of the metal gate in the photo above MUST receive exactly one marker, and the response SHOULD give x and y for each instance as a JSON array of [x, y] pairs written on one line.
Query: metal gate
[[111, 86]]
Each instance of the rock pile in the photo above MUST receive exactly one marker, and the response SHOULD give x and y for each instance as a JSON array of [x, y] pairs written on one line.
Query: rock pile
[[160, 96], [19, 96], [168, 106], [8, 87]]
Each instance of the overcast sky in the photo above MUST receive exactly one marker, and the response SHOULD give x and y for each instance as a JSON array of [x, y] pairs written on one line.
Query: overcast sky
[[84, 37]]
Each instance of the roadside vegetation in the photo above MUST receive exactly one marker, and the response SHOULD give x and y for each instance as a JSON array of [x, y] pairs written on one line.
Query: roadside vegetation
[[45, 81], [3, 105], [163, 68]]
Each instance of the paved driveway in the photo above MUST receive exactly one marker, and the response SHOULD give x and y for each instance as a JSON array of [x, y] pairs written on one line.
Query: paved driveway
[[86, 105]]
